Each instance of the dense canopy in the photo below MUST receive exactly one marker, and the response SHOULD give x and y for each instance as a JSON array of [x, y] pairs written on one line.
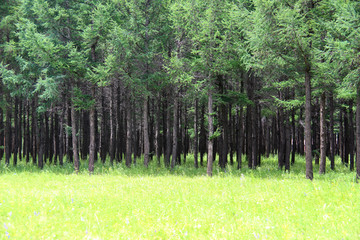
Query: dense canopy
[[227, 81]]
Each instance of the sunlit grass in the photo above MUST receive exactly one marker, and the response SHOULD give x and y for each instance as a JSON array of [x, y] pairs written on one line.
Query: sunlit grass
[[156, 203]]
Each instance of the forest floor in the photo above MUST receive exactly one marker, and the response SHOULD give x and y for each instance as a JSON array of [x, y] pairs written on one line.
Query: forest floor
[[138, 203]]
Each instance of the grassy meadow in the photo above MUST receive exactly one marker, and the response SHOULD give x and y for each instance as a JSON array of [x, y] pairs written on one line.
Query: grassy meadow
[[154, 203]]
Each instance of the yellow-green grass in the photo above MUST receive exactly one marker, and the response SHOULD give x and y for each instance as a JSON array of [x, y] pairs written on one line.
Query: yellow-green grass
[[138, 203]]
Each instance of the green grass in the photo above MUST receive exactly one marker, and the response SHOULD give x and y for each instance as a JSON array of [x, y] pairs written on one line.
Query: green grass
[[138, 203]]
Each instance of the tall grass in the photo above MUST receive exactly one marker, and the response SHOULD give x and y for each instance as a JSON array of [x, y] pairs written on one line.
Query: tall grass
[[155, 203]]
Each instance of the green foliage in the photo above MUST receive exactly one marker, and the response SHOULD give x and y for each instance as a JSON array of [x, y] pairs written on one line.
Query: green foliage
[[82, 101]]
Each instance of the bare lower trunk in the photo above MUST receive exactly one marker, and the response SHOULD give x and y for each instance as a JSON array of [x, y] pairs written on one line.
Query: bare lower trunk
[[196, 138], [128, 158], [8, 137], [210, 157], [146, 132], [332, 137], [322, 166], [308, 153], [41, 141], [74, 140], [175, 132], [92, 147], [358, 134], [351, 135]]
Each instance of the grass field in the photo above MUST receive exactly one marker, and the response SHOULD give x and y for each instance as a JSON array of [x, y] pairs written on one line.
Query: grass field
[[138, 203]]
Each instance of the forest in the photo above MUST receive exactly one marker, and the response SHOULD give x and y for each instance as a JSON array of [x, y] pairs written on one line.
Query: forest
[[228, 82]]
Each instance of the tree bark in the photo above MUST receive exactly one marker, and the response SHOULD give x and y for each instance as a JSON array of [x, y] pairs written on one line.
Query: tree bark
[[332, 137], [92, 146], [196, 137], [74, 140], [175, 131], [322, 166], [358, 134], [8, 135], [146, 132], [351, 135], [41, 140], [210, 156], [308, 150], [128, 158]]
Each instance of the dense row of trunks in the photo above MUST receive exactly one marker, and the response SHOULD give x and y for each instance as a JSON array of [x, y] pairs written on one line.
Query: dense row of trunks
[[171, 124]]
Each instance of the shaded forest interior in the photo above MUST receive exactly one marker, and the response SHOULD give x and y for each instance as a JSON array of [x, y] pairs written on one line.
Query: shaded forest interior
[[128, 80]]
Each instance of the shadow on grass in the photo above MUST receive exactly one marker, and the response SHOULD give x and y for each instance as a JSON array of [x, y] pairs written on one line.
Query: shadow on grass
[[267, 170]]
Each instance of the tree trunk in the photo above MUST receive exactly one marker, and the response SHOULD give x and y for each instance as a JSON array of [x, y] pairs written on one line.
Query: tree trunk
[[351, 135], [16, 131], [358, 134], [210, 156], [175, 130], [92, 147], [308, 151], [74, 140], [128, 158], [196, 137], [293, 151], [332, 137], [34, 130], [202, 137], [41, 140], [112, 126], [8, 137], [239, 137], [146, 132], [322, 135], [168, 137], [346, 138], [287, 142]]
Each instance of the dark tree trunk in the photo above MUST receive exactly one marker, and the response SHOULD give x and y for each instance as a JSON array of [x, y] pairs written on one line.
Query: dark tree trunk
[[346, 138], [103, 142], [86, 135], [282, 140], [128, 158], [287, 142], [157, 131], [358, 134], [168, 137], [16, 131], [47, 142], [112, 147], [202, 137], [254, 140], [308, 151], [175, 130], [146, 132], [322, 166], [301, 134], [28, 134], [55, 136], [341, 134], [34, 131], [119, 126], [210, 156], [41, 140], [351, 135], [8, 135], [53, 140], [332, 137], [92, 147], [293, 150], [1, 125], [196, 137], [69, 139], [239, 137], [74, 140]]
